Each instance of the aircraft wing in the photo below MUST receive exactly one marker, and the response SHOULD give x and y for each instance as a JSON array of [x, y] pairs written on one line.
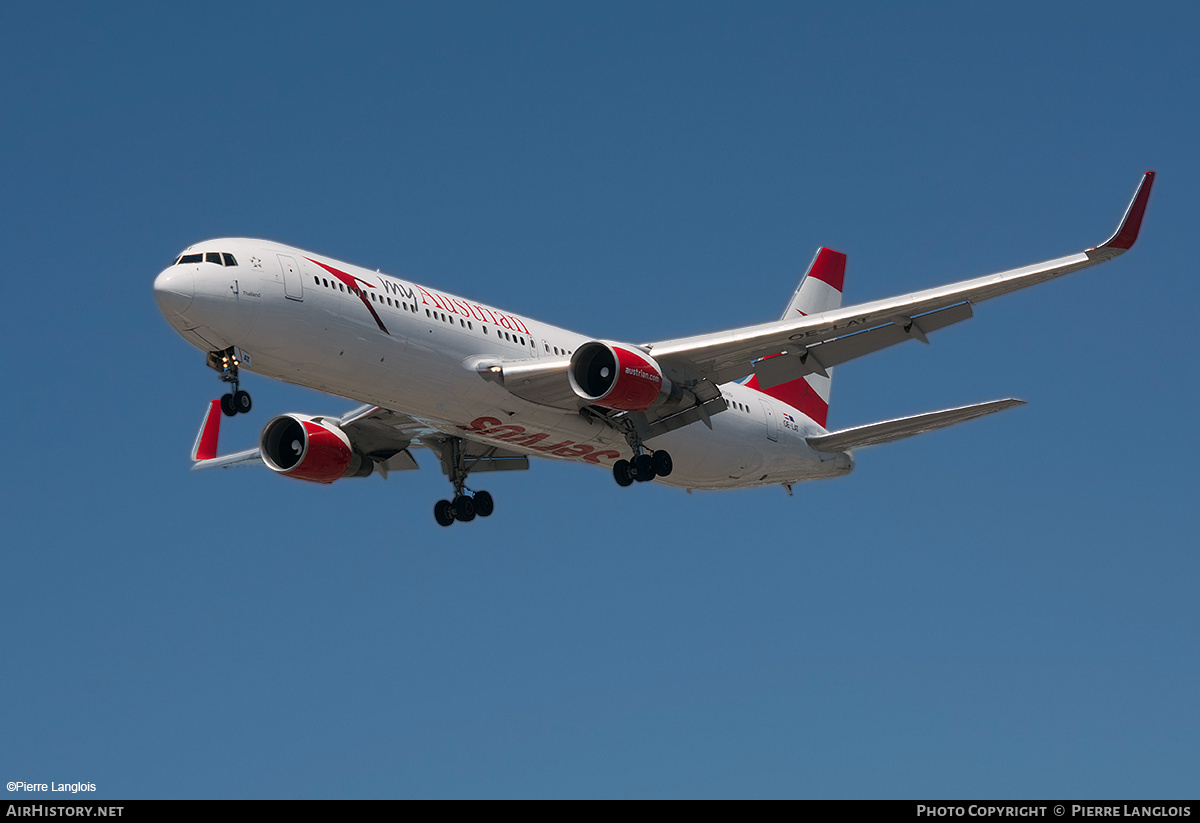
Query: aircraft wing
[[383, 435], [789, 349], [819, 341]]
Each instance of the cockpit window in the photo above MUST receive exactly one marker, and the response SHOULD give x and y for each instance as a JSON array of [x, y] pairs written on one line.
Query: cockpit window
[[191, 258], [229, 261], [213, 257]]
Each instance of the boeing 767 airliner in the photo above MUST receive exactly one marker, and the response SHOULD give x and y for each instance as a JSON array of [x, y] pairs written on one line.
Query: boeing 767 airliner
[[484, 389]]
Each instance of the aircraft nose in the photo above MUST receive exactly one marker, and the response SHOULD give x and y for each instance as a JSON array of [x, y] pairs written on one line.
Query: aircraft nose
[[174, 290]]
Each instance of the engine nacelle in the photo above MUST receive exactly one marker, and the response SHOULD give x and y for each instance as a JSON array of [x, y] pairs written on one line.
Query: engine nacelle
[[616, 376], [310, 449]]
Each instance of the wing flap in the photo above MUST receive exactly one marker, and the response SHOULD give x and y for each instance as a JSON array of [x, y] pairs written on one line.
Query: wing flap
[[474, 456], [889, 430], [816, 359]]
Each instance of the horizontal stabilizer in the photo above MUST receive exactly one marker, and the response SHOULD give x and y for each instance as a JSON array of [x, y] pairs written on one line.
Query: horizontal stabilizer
[[889, 430]]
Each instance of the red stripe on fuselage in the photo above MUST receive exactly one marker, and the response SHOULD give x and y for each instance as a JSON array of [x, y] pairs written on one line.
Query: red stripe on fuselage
[[350, 281], [799, 395]]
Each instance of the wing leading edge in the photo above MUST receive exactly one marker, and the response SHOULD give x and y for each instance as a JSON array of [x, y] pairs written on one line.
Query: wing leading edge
[[729, 355]]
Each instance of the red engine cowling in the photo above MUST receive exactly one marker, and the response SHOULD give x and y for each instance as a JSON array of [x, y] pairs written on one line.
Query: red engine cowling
[[308, 449], [616, 376]]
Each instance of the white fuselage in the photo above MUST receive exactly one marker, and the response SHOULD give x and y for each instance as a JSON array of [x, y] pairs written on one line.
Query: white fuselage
[[317, 322]]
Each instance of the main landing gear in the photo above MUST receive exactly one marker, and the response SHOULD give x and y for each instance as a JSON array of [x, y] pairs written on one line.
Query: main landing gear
[[643, 468], [466, 505], [226, 362], [645, 465]]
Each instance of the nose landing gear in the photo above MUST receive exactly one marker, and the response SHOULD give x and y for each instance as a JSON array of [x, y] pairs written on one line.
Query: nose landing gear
[[236, 403], [227, 362]]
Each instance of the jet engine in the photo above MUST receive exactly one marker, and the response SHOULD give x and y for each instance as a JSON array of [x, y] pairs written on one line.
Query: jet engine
[[309, 448], [616, 376]]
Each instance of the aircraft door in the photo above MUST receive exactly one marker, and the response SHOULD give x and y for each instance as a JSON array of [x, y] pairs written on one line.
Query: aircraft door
[[293, 284], [771, 421]]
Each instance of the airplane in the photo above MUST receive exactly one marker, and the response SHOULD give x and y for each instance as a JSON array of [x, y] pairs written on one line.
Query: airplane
[[486, 389]]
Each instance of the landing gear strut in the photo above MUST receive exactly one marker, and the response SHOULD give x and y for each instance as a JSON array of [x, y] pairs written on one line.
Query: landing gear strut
[[226, 362], [466, 505], [645, 465]]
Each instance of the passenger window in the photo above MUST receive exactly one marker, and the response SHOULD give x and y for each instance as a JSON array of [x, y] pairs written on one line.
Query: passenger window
[[213, 257], [229, 259]]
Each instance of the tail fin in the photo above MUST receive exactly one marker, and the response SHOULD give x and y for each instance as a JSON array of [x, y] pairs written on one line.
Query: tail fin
[[820, 290], [821, 287]]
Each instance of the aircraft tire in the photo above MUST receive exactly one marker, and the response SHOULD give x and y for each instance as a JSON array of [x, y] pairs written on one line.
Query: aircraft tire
[[643, 468], [464, 508], [241, 402], [443, 512], [227, 407], [484, 504], [622, 472], [662, 463]]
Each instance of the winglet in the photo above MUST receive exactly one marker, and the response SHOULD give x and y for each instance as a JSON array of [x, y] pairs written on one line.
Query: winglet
[[1131, 223], [205, 447]]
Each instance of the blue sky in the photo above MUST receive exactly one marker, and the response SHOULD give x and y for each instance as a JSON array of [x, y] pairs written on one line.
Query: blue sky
[[1002, 609]]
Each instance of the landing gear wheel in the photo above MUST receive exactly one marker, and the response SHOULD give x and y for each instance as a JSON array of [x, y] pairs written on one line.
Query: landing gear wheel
[[643, 468], [464, 508], [483, 504], [443, 512], [622, 472], [241, 402], [662, 463], [227, 405]]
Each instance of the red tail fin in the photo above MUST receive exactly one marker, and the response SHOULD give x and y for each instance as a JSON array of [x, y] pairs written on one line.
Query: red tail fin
[[820, 290], [799, 395]]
